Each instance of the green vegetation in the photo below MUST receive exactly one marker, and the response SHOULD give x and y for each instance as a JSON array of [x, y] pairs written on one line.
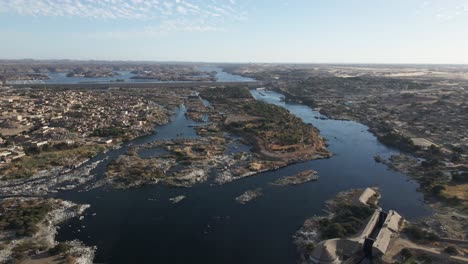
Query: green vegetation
[[108, 132], [420, 235], [451, 250], [347, 221], [430, 163], [22, 216], [406, 253], [437, 190], [27, 245], [30, 164], [130, 169], [461, 177], [274, 123], [31, 150], [418, 259], [268, 127], [60, 248], [20, 251], [397, 140]]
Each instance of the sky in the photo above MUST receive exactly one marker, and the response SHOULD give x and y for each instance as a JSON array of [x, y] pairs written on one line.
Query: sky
[[296, 31]]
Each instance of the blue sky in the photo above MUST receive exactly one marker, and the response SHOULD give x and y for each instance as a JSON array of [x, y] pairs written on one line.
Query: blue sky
[[327, 31]]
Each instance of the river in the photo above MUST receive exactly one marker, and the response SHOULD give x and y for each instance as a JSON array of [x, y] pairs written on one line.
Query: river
[[126, 77], [142, 226]]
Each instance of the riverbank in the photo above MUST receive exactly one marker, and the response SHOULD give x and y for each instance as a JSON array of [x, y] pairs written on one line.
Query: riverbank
[[439, 169], [190, 161], [300, 178], [218, 216], [35, 240], [351, 223], [346, 216]]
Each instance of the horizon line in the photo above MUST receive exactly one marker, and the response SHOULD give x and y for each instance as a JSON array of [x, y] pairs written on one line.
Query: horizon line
[[236, 62]]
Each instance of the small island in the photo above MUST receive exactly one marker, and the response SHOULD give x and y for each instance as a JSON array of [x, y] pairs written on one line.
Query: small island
[[177, 199], [92, 73], [249, 196], [300, 178]]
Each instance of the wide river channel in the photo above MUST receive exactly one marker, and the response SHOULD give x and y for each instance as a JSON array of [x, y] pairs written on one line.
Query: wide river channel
[[126, 77], [141, 225]]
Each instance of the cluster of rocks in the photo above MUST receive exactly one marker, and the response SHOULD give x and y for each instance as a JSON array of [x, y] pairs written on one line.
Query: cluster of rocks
[[249, 196], [44, 238], [48, 181], [177, 199], [300, 178]]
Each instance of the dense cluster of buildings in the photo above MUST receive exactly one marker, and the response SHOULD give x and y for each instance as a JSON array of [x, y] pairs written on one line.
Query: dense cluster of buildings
[[36, 118]]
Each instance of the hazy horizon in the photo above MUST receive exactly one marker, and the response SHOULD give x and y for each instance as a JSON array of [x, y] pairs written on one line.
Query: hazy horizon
[[237, 31], [235, 62]]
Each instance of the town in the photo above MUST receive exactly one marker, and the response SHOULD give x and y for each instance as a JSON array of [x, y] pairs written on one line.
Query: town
[[37, 120], [91, 136]]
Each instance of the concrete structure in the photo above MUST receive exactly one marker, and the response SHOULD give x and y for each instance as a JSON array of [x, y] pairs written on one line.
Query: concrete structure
[[393, 221], [372, 241], [367, 195], [334, 250]]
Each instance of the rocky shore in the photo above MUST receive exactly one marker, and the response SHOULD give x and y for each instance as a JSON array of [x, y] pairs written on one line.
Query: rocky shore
[[39, 244], [300, 178], [48, 181], [313, 231]]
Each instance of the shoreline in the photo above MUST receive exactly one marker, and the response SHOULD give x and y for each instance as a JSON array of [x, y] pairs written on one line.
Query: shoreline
[[439, 206], [39, 244]]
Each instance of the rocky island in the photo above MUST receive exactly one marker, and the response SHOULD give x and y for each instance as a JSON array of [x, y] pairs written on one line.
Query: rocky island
[[190, 161], [91, 73], [300, 178], [249, 196]]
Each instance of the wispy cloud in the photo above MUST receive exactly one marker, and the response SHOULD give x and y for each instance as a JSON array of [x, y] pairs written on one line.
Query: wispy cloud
[[160, 16], [163, 29], [120, 9], [444, 10]]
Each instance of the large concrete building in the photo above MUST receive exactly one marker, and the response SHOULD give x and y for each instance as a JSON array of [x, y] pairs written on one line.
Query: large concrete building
[[371, 242]]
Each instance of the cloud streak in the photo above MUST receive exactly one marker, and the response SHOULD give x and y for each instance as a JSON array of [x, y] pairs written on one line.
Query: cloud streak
[[164, 29], [120, 9], [444, 11], [160, 16]]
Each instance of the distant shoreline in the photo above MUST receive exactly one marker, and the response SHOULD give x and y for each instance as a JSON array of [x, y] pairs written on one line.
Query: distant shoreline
[[135, 85]]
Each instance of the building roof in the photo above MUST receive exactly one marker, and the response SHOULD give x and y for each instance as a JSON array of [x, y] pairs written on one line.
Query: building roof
[[366, 195], [367, 231], [383, 240], [325, 252], [333, 250], [393, 221]]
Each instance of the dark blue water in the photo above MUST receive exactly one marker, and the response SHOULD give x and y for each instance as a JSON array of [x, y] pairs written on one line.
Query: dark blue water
[[142, 226], [224, 76], [61, 78]]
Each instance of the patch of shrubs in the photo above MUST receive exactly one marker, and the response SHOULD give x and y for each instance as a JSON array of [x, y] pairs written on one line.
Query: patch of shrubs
[[418, 234], [451, 250], [406, 253], [347, 221], [60, 248], [23, 217], [398, 141], [108, 132], [222, 93], [460, 177]]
